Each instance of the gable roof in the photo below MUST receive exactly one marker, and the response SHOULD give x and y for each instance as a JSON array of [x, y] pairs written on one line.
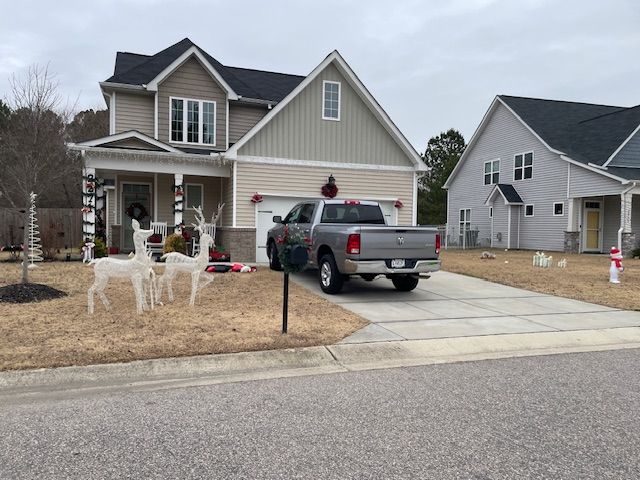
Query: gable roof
[[344, 68], [137, 69], [586, 132], [508, 192], [110, 140]]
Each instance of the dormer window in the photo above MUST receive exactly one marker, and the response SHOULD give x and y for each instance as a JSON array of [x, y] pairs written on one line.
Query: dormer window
[[193, 121], [330, 100]]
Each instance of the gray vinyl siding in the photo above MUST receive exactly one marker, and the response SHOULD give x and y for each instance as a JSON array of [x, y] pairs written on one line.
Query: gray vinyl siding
[[585, 183], [299, 132], [635, 216], [500, 223], [504, 136], [192, 81], [134, 112], [242, 118], [629, 156]]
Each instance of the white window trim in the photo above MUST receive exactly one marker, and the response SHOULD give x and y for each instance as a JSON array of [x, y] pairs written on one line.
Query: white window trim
[[554, 209], [186, 197], [523, 167], [324, 91], [200, 121], [491, 172], [533, 209]]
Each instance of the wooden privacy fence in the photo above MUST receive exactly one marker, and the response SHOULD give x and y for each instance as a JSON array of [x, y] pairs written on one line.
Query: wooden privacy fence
[[59, 227]]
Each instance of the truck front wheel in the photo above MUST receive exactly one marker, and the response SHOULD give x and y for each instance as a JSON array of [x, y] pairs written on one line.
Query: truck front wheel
[[330, 278], [274, 261], [405, 283]]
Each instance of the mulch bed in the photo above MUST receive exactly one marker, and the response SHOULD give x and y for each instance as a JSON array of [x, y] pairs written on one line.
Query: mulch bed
[[28, 293]]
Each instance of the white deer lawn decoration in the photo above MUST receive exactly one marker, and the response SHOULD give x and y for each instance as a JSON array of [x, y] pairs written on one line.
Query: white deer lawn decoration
[[138, 269], [177, 262]]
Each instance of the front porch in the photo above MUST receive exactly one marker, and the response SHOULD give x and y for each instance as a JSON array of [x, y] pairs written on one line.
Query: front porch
[[595, 224]]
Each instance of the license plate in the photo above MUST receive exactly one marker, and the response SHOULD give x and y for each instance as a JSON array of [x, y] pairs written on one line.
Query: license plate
[[397, 263]]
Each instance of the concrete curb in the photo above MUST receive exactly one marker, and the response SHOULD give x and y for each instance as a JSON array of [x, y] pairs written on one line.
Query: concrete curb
[[223, 368]]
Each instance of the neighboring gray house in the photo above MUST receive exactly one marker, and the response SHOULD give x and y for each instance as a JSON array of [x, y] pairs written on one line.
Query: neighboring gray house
[[548, 175], [187, 130]]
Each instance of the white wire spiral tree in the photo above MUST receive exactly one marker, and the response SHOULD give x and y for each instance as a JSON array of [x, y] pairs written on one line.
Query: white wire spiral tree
[[35, 248]]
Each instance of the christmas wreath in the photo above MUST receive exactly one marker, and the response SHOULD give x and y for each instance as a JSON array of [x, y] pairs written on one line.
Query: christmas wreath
[[137, 211], [287, 243], [329, 190]]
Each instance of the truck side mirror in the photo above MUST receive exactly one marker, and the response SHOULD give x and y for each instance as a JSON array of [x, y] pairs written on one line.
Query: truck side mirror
[[277, 219], [299, 255]]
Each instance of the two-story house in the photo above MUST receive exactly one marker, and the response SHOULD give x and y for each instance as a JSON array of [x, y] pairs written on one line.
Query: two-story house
[[186, 130], [548, 175]]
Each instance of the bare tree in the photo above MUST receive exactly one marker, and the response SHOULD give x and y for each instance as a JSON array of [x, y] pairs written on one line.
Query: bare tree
[[33, 154]]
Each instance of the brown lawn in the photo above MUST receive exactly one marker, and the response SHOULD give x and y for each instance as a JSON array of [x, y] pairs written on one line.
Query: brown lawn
[[237, 312], [585, 278]]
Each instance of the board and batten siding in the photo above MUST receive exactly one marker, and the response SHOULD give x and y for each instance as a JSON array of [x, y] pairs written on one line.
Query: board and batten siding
[[307, 182], [192, 81], [503, 137], [242, 118], [629, 155], [134, 112], [211, 193], [610, 222], [299, 132], [585, 183]]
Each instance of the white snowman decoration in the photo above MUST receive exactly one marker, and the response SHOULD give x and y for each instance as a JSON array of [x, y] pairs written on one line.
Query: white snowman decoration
[[616, 265]]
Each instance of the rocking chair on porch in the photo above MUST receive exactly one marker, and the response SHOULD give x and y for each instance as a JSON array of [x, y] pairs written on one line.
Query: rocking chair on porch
[[155, 243]]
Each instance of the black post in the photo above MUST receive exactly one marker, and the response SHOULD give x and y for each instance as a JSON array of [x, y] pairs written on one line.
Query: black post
[[285, 304]]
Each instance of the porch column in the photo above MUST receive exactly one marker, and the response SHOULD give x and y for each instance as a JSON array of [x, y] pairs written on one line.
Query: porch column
[[178, 206], [626, 238], [572, 233], [89, 184]]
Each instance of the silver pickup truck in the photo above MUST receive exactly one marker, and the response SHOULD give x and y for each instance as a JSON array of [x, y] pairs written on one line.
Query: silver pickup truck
[[350, 237]]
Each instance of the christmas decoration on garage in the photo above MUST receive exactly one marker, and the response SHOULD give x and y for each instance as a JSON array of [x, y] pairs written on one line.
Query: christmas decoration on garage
[[330, 189]]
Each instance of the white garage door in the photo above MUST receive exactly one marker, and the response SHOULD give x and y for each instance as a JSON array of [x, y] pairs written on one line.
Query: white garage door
[[271, 206]]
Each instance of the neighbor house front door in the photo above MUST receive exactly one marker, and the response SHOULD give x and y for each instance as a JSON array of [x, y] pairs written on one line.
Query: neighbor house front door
[[592, 230], [136, 200]]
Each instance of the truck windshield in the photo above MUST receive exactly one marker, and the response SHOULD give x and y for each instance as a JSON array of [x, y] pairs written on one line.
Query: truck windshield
[[348, 213]]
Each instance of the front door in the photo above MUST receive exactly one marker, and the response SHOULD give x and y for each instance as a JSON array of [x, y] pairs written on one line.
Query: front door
[[592, 231], [136, 203]]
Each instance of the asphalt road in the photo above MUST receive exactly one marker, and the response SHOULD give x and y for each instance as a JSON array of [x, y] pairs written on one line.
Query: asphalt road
[[561, 416]]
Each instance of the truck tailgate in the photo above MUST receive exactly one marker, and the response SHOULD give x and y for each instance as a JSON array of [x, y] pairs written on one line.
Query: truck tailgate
[[389, 242]]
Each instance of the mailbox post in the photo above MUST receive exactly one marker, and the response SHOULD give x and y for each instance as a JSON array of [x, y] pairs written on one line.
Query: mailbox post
[[298, 255]]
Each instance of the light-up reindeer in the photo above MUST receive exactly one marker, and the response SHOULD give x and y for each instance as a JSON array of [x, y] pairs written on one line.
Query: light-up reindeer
[[177, 262], [138, 269]]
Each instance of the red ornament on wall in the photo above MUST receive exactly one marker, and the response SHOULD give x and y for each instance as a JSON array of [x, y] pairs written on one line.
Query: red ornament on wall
[[398, 204], [330, 189], [256, 198]]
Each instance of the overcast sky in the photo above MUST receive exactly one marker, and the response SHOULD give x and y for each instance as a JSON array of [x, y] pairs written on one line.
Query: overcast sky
[[431, 64]]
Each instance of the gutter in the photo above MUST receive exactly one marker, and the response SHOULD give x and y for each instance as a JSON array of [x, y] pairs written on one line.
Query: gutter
[[123, 86]]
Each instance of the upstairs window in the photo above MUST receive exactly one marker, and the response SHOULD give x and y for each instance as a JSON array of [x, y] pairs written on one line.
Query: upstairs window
[[193, 121], [330, 100], [492, 172], [523, 164]]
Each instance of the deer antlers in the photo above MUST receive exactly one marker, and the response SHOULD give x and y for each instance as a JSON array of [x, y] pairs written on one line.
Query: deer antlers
[[200, 217]]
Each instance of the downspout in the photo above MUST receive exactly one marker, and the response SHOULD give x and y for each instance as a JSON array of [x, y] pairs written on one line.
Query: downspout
[[633, 185]]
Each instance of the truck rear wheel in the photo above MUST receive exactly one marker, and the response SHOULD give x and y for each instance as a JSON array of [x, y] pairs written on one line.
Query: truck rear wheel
[[331, 280], [274, 261], [405, 283]]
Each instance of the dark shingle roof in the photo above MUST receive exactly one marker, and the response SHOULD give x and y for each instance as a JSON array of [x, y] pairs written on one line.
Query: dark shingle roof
[[510, 193], [586, 132], [136, 69]]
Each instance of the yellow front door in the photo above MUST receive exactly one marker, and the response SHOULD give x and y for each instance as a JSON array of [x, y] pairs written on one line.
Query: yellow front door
[[592, 241]]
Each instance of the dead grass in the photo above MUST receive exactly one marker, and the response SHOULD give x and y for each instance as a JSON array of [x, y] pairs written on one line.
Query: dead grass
[[237, 312], [585, 278]]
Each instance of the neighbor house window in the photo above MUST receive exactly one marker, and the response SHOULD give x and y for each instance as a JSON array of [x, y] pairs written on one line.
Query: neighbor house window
[[193, 121], [465, 226], [193, 195], [491, 172], [330, 100], [523, 166], [490, 212], [528, 210], [558, 209]]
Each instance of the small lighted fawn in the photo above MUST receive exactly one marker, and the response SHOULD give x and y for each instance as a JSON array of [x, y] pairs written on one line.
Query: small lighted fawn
[[177, 262], [138, 269]]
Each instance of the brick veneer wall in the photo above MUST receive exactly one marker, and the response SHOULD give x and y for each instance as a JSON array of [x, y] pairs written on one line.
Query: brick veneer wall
[[239, 242]]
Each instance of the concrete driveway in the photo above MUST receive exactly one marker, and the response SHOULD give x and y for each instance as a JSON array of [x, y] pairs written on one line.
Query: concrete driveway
[[452, 305]]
